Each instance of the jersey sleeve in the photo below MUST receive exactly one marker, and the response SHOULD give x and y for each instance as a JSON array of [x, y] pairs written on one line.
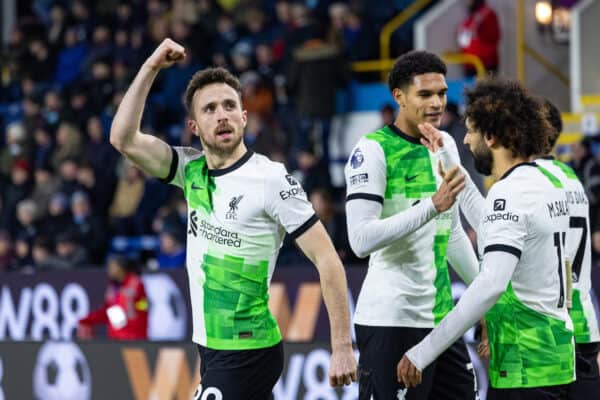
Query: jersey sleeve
[[365, 172], [180, 157], [505, 220], [286, 202]]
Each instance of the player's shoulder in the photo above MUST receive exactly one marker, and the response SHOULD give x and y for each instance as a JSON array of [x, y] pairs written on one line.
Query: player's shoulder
[[518, 180], [265, 166]]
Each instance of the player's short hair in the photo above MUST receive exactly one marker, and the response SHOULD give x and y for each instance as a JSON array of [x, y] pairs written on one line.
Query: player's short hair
[[553, 115], [411, 64], [206, 77], [505, 109]]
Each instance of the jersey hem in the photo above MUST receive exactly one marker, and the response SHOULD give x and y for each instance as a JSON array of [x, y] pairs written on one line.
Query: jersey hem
[[562, 382], [398, 324], [237, 345]]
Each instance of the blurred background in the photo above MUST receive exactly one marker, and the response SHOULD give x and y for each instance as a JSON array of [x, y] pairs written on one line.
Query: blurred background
[[78, 222]]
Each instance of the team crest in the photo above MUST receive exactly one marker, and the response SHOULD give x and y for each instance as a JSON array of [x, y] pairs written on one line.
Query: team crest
[[233, 207]]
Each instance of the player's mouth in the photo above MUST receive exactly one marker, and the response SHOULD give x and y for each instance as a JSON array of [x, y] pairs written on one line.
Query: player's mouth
[[225, 132], [433, 116]]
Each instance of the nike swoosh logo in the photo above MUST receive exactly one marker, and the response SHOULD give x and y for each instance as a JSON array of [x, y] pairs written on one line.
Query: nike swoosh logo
[[410, 178], [194, 187]]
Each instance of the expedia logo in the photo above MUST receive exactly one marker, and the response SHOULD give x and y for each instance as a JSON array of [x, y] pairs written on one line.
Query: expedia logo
[[293, 192], [507, 216]]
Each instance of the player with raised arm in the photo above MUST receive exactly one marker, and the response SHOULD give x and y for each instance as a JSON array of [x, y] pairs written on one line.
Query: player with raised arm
[[240, 205], [400, 212], [522, 283], [578, 249]]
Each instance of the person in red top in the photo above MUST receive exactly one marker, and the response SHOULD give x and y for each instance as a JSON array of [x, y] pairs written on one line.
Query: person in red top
[[479, 34], [125, 309]]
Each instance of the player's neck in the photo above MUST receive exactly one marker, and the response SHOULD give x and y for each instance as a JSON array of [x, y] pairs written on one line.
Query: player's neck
[[503, 162], [407, 128], [221, 161]]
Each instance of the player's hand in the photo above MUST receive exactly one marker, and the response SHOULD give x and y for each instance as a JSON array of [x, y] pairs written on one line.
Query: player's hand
[[166, 54], [432, 137], [483, 348], [407, 373], [445, 197], [342, 369]]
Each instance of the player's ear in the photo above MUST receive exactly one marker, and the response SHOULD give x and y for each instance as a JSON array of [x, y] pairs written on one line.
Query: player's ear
[[191, 123], [244, 118], [490, 140], [399, 96]]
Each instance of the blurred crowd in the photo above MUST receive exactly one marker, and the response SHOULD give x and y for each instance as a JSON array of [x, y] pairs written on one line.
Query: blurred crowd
[[65, 193], [67, 198]]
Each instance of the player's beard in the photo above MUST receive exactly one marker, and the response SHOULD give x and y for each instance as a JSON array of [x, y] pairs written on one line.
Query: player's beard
[[223, 149], [483, 158]]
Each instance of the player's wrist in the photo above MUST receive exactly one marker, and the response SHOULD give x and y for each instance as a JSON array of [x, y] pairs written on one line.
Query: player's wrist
[[341, 344]]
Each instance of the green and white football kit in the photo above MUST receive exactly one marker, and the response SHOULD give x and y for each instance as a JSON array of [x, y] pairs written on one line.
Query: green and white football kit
[[579, 251], [522, 286], [390, 179], [237, 219]]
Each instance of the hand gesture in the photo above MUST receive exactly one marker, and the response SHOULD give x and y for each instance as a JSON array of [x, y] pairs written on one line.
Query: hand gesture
[[454, 182], [342, 369], [407, 373], [432, 138], [483, 348], [166, 54]]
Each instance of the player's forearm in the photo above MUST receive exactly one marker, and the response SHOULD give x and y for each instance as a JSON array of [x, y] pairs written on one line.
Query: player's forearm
[[368, 233], [483, 293], [126, 123], [461, 255], [335, 294]]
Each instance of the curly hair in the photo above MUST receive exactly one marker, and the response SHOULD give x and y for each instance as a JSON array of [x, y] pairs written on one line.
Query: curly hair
[[411, 64], [206, 77], [506, 110], [553, 116]]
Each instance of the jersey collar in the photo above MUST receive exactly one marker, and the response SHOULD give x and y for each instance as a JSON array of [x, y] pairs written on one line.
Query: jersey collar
[[523, 164], [403, 135], [232, 167]]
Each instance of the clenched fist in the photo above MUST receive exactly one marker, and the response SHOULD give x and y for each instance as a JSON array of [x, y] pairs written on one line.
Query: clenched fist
[[166, 54]]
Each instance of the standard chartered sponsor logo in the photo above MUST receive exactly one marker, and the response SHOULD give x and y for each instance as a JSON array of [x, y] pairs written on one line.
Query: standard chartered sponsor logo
[[218, 234]]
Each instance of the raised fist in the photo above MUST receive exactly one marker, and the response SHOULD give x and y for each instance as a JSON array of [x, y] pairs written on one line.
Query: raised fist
[[166, 54]]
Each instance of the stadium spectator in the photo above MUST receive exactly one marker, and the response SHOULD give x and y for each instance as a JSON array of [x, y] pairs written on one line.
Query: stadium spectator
[[89, 229], [70, 254], [46, 183], [479, 35], [58, 218], [125, 308], [127, 197], [171, 253], [6, 251], [17, 189]]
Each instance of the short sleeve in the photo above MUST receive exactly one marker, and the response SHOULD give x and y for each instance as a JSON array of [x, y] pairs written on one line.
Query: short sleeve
[[180, 157], [286, 202], [505, 221], [365, 172]]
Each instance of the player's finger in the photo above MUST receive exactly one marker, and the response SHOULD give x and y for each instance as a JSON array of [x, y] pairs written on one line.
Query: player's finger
[[451, 173], [457, 189], [333, 381], [441, 170], [354, 376]]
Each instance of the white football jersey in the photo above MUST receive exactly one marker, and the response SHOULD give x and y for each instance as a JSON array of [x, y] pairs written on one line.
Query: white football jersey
[[527, 215], [237, 219], [407, 283], [579, 250]]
